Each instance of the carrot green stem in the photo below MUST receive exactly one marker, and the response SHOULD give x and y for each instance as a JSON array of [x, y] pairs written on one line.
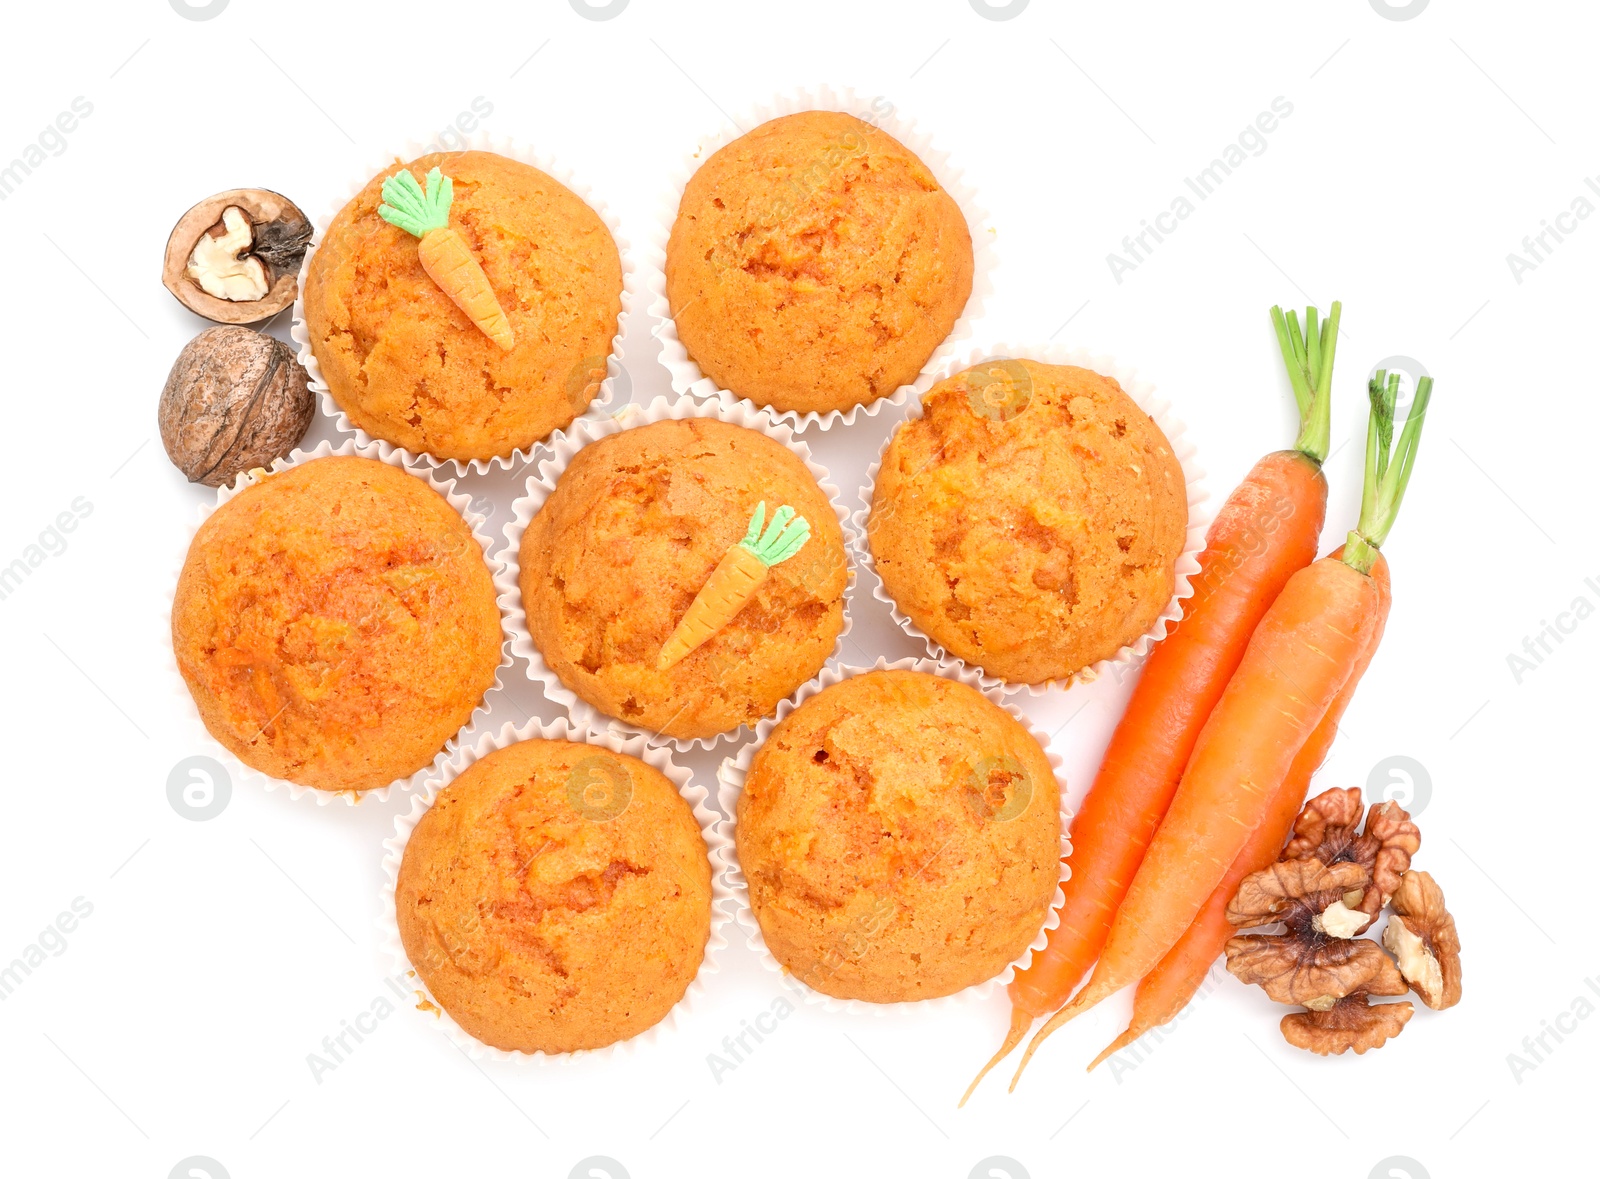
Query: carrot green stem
[[413, 210], [1309, 360], [782, 539], [1387, 473]]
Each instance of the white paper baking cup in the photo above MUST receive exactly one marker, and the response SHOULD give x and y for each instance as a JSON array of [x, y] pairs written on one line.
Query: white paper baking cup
[[1188, 563], [460, 501], [539, 487], [686, 374], [478, 141], [730, 785], [559, 729]]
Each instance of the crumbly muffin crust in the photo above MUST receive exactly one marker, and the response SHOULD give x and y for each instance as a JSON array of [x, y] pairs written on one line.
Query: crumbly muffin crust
[[408, 366], [1031, 520], [336, 624], [635, 526], [900, 835], [556, 897], [815, 264]]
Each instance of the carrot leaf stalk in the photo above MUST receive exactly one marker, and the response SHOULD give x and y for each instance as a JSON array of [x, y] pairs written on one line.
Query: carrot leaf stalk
[[1309, 358], [444, 253], [735, 580], [1388, 467]]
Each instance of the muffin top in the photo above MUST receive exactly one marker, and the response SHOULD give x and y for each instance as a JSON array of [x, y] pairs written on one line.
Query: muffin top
[[633, 530], [556, 897], [336, 624], [408, 366], [815, 264], [900, 835], [1031, 520]]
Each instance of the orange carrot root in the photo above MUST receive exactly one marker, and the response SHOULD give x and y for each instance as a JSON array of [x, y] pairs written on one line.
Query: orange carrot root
[[1316, 638], [1168, 989], [1298, 659], [1266, 531]]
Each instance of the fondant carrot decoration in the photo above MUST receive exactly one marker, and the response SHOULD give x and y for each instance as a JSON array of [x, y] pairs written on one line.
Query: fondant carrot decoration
[[735, 580], [444, 253]]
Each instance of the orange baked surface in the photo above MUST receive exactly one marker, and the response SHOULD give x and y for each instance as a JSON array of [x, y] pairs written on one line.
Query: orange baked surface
[[336, 624], [408, 366], [615, 556], [1031, 520], [900, 834], [816, 263], [556, 897]]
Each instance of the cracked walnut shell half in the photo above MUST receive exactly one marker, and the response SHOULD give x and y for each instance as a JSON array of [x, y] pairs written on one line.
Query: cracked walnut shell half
[[235, 257]]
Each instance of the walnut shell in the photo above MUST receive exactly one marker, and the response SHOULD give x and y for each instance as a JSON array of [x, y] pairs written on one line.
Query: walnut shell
[[235, 399], [281, 234]]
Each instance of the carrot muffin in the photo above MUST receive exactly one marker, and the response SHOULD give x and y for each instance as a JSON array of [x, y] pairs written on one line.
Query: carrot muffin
[[815, 264], [627, 542], [402, 358], [900, 835], [1031, 520], [336, 624], [556, 897]]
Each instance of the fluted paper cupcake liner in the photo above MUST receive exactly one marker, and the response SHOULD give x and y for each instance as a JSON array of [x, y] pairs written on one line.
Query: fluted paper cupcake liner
[[560, 729], [539, 487], [1188, 562], [461, 502], [730, 785], [687, 376], [300, 332]]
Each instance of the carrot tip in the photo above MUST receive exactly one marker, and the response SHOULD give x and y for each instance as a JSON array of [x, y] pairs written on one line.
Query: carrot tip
[[1021, 1021], [1086, 998], [1033, 1046], [1121, 1042]]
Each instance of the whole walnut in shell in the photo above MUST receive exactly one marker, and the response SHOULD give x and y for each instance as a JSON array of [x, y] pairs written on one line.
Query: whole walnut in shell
[[236, 399]]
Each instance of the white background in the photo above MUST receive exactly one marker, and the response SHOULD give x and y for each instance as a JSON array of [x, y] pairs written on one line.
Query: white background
[[178, 1018]]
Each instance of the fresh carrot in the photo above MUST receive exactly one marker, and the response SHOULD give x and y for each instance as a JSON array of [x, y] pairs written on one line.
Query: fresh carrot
[[735, 580], [444, 253], [1300, 657], [1267, 529], [1167, 989]]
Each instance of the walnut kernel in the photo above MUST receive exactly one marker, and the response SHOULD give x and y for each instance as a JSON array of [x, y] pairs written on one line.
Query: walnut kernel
[[1422, 935]]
